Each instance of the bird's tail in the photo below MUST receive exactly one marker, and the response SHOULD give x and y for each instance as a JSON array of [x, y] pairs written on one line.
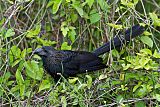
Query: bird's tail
[[118, 41]]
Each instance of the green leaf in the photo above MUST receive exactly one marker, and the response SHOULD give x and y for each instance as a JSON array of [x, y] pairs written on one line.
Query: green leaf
[[132, 75], [152, 65], [89, 81], [3, 32], [14, 89], [64, 28], [5, 77], [115, 53], [143, 61], [144, 90], [65, 46], [73, 80], [68, 1], [45, 42], [124, 88], [119, 98], [157, 96], [15, 51], [103, 4], [124, 2], [122, 76], [127, 3], [14, 54], [156, 54], [141, 92], [146, 51], [74, 17], [45, 84], [147, 33], [56, 6], [33, 70], [34, 32], [10, 83], [63, 101], [64, 31], [102, 76], [82, 86], [146, 40], [29, 50], [78, 7], [2, 21], [137, 86], [95, 17], [140, 104], [20, 82], [50, 3], [15, 62], [9, 33], [155, 19], [90, 2], [125, 67], [72, 33], [135, 1], [157, 86], [23, 53], [115, 26]]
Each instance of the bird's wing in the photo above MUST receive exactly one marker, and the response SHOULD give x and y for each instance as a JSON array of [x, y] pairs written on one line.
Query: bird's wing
[[82, 61]]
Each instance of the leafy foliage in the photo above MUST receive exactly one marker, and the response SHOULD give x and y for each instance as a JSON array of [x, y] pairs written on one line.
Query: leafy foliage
[[132, 78]]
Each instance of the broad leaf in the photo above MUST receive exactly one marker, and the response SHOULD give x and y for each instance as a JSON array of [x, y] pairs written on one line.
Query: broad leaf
[[95, 17], [156, 54], [155, 19], [140, 104], [64, 101], [90, 2], [73, 80], [9, 33], [146, 51], [56, 6], [115, 26], [103, 4], [20, 82], [146, 40], [65, 46], [157, 96], [33, 70], [78, 7], [89, 81], [44, 85]]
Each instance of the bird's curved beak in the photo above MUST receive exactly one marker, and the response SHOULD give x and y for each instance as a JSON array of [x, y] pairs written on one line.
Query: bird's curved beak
[[37, 51]]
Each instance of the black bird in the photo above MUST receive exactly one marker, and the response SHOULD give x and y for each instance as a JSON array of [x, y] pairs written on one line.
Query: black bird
[[70, 63]]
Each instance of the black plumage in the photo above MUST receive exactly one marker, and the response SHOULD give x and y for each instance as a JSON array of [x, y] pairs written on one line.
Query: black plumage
[[120, 40], [70, 63]]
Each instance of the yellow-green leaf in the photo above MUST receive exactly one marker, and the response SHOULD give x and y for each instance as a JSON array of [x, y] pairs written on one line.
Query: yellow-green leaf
[[73, 80], [56, 6], [146, 40], [64, 101], [90, 2], [156, 54], [45, 84], [65, 46]]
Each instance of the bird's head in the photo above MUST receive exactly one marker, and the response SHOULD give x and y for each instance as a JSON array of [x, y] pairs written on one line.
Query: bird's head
[[44, 51]]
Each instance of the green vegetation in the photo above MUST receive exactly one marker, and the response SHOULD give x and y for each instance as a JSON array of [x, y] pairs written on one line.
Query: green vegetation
[[132, 78]]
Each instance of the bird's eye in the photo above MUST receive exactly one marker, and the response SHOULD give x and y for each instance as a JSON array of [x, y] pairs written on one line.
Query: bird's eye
[[45, 50]]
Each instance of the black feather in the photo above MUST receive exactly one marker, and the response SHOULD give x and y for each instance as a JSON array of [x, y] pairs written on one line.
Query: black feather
[[118, 41]]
